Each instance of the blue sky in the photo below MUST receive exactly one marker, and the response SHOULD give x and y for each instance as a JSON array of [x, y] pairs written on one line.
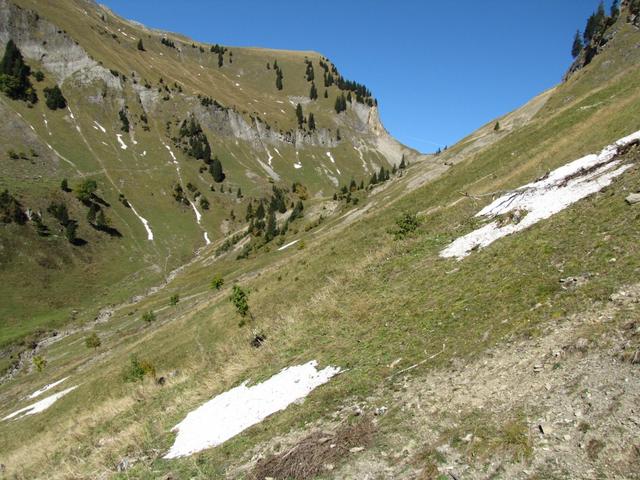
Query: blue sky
[[440, 69]]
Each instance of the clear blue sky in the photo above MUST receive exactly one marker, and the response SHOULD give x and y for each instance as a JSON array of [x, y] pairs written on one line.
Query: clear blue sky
[[439, 69]]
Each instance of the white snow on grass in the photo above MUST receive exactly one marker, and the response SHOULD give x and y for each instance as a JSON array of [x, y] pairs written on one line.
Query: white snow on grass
[[543, 198], [144, 221], [144, 154], [40, 406], [287, 245], [297, 165], [123, 145], [46, 388], [171, 153], [331, 157], [206, 238], [235, 410], [270, 157], [277, 151], [195, 210], [97, 125]]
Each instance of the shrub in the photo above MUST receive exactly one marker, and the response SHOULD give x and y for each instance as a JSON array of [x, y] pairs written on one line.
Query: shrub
[[217, 283], [39, 363], [149, 316], [405, 225], [174, 299], [137, 369], [93, 341]]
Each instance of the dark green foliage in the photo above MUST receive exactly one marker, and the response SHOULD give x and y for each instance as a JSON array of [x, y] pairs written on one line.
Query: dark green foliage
[[297, 211], [86, 190], [402, 165], [70, 230], [93, 341], [277, 202], [312, 122], [220, 60], [64, 185], [326, 94], [217, 283], [341, 103], [204, 203], [496, 127], [279, 76], [123, 200], [406, 224], [14, 75], [353, 186], [216, 170], [124, 120], [335, 196], [218, 49], [239, 193], [272, 228], [149, 316], [577, 45], [299, 115], [374, 179], [313, 92], [11, 209], [309, 71], [169, 43], [249, 215], [174, 299], [140, 46], [260, 213], [59, 211], [39, 76], [615, 9], [54, 98], [240, 300], [596, 24], [137, 370], [193, 140]]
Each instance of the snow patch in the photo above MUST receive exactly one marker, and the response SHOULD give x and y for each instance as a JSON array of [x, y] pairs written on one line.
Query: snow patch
[[206, 238], [144, 221], [40, 406], [195, 210], [123, 145], [287, 245], [543, 198], [235, 410], [48, 387], [297, 165], [97, 125]]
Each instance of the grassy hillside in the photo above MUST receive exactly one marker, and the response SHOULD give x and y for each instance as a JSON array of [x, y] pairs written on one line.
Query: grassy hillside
[[112, 84], [348, 294]]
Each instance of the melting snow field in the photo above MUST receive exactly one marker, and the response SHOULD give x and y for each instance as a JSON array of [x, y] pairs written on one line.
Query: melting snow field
[[546, 197], [235, 410], [40, 406], [46, 388]]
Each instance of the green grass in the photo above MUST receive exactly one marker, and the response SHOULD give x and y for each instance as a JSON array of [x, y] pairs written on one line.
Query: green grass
[[353, 297]]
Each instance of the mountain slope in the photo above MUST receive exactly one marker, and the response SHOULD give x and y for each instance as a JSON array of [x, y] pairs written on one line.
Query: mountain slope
[[512, 362], [122, 128]]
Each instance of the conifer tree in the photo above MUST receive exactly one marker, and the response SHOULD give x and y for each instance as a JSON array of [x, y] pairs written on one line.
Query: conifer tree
[[299, 115], [312, 122], [496, 127], [374, 179], [577, 45], [402, 165], [215, 168], [140, 45], [14, 75], [260, 211], [313, 93], [64, 185], [249, 215], [54, 98], [272, 229]]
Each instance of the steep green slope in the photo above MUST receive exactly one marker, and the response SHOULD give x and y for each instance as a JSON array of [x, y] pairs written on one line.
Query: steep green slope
[[111, 86], [348, 294]]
